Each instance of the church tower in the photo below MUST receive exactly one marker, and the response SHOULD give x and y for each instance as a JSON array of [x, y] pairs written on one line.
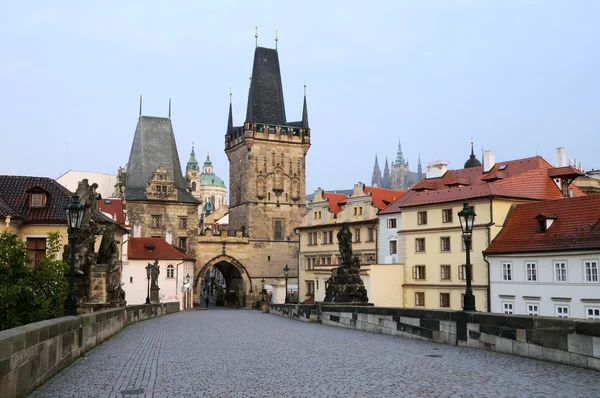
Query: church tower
[[399, 171], [267, 174], [376, 178], [192, 173], [387, 176]]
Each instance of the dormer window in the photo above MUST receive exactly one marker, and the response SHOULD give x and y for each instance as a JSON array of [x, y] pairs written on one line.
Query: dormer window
[[545, 221], [37, 200]]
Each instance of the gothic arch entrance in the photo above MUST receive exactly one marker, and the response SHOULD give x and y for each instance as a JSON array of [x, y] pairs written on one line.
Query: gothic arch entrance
[[230, 288]]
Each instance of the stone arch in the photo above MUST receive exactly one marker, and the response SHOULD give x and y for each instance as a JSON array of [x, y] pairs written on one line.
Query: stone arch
[[232, 270]]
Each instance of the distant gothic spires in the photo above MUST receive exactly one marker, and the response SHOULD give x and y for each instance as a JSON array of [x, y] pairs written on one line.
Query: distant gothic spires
[[386, 181], [376, 180], [399, 157]]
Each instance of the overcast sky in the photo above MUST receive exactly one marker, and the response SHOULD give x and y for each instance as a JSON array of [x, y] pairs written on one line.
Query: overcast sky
[[518, 77]]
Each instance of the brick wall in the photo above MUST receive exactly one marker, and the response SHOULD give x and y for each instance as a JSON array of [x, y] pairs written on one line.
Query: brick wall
[[31, 354]]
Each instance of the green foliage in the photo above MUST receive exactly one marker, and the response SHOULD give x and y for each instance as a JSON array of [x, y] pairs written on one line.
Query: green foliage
[[30, 294]]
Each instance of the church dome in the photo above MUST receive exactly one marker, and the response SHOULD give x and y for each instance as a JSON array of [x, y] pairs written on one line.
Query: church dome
[[211, 180], [472, 161]]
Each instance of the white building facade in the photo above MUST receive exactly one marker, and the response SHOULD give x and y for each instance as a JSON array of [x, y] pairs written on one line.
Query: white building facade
[[561, 284]]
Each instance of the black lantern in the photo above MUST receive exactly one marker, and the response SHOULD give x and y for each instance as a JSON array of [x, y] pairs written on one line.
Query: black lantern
[[286, 271], [75, 212], [467, 220], [148, 274]]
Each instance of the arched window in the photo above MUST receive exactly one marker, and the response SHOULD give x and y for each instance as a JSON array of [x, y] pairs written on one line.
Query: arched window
[[194, 186], [170, 271]]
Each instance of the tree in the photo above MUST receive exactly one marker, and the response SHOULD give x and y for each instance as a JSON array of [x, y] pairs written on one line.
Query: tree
[[30, 294]]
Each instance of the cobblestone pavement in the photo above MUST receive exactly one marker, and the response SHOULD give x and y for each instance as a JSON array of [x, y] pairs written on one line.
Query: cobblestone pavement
[[229, 353]]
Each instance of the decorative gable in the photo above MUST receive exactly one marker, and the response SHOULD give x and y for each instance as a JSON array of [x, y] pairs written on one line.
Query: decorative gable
[[161, 186]]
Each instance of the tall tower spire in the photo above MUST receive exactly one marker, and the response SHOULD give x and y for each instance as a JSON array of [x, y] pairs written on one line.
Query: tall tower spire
[[399, 156], [230, 118], [305, 111], [376, 178], [386, 181], [419, 168]]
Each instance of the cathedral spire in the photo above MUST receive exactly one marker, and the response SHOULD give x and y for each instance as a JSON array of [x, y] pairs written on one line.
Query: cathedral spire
[[419, 168], [400, 157], [386, 181], [376, 178], [305, 111]]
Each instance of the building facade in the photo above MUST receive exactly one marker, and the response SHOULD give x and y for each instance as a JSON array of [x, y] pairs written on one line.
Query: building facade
[[545, 260], [435, 274], [319, 250]]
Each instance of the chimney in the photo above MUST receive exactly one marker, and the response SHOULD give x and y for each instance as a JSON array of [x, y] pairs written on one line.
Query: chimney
[[488, 160], [436, 169], [561, 157]]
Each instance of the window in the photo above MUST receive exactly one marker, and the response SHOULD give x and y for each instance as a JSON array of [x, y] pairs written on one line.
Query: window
[[446, 215], [327, 237], [506, 271], [312, 238], [317, 215], [445, 272], [591, 270], [445, 243], [462, 273], [310, 263], [370, 258], [419, 299], [418, 272], [358, 211], [420, 244], [531, 270], [507, 307], [155, 221], [560, 271], [422, 218], [533, 309], [393, 247], [593, 313], [357, 235], [445, 300], [182, 222], [183, 243], [131, 279], [36, 250], [310, 288], [170, 271], [391, 223], [371, 232], [562, 311], [278, 230], [37, 200]]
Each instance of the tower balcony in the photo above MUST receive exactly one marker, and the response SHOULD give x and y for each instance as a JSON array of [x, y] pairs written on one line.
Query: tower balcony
[[270, 132]]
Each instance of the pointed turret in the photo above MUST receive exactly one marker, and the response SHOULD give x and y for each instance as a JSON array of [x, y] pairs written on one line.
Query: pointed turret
[[230, 119], [419, 168], [305, 111], [386, 181], [399, 156], [265, 98], [376, 178], [192, 164]]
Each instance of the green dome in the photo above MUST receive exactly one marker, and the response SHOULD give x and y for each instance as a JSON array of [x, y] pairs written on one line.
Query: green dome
[[211, 180]]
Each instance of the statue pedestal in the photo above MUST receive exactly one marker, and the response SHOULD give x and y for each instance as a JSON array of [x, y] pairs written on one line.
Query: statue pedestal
[[154, 298], [97, 291]]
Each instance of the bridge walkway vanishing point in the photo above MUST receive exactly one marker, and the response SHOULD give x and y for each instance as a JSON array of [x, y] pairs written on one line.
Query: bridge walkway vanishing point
[[243, 353]]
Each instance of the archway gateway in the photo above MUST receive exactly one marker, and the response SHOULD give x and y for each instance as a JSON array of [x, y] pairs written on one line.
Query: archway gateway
[[238, 284]]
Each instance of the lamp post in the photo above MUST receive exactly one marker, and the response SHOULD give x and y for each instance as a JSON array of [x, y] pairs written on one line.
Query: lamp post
[[186, 285], [262, 291], [286, 270], [148, 272], [74, 217], [467, 219]]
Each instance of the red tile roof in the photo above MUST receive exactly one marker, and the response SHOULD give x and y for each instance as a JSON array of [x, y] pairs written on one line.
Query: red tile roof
[[112, 207], [523, 178], [154, 248], [577, 227], [382, 197], [566, 171], [14, 200], [334, 200]]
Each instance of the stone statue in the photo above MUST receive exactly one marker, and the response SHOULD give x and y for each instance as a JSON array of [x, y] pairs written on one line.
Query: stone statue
[[345, 284], [154, 272]]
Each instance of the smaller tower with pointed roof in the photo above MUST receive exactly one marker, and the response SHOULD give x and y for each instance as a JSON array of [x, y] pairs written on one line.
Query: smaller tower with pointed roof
[[472, 161], [386, 181], [376, 180]]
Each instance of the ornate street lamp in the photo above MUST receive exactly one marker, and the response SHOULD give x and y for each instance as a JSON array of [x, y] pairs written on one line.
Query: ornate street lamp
[[467, 219], [262, 291], [148, 274], [74, 217], [286, 270]]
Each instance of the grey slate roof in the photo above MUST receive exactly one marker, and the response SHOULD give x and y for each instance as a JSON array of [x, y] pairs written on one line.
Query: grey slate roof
[[154, 145], [265, 98]]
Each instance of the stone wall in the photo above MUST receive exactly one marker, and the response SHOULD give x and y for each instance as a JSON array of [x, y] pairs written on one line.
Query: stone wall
[[572, 341], [31, 354], [300, 312]]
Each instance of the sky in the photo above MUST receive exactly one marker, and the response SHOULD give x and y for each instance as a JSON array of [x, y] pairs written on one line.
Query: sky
[[517, 77]]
